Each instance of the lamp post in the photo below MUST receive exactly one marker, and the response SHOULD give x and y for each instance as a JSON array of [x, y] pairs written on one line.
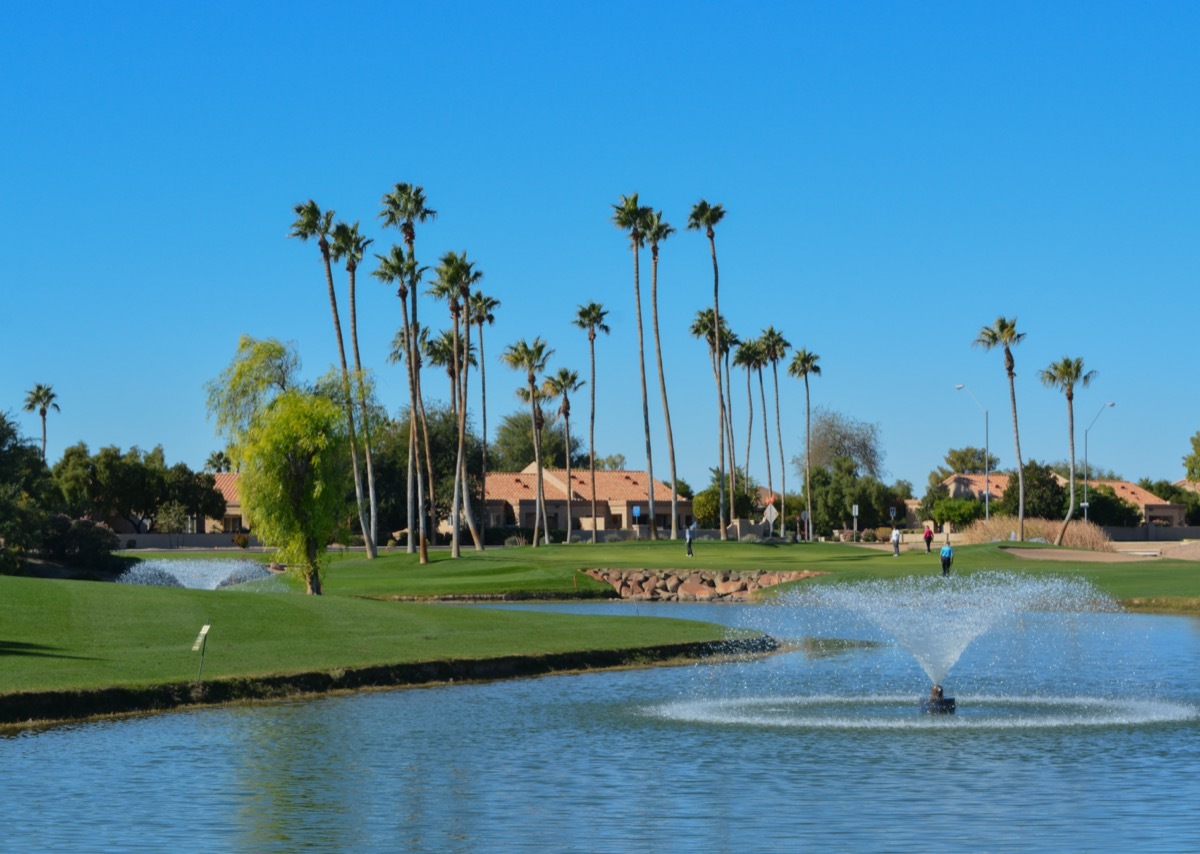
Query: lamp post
[[987, 454], [1085, 456]]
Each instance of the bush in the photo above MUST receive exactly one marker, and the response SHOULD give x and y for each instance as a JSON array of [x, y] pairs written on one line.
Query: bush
[[868, 536], [80, 542], [241, 540], [1080, 534], [516, 540]]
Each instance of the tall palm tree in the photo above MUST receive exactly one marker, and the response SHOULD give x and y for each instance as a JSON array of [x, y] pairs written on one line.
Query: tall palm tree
[[311, 222], [396, 269], [729, 344], [803, 364], [481, 312], [746, 357], [563, 385], [530, 357], [658, 230], [348, 243], [775, 348], [41, 399], [455, 275], [629, 216], [705, 216], [1065, 375], [1003, 333], [403, 208], [760, 362], [591, 317], [703, 327]]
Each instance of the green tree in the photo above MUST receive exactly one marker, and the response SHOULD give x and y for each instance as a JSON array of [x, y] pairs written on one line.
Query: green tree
[[1107, 509], [513, 444], [1045, 497], [1191, 462], [349, 244], [27, 495], [1004, 334], [631, 217], [706, 217], [312, 222], [218, 462], [530, 357], [41, 399], [959, 512], [803, 365], [1064, 375], [834, 435], [259, 371], [968, 460], [658, 230], [591, 317], [293, 484]]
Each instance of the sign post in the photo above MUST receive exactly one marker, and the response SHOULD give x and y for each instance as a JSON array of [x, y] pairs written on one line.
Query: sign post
[[199, 645], [854, 510]]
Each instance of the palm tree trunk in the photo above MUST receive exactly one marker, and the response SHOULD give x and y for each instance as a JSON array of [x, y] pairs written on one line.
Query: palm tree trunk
[[1062, 532], [455, 396], [592, 430], [462, 433], [808, 525], [637, 297], [749, 424], [410, 545], [370, 536], [43, 414], [483, 401], [1012, 394], [782, 461], [762, 393], [570, 484], [414, 448], [712, 243], [346, 394], [662, 382], [732, 445], [418, 405]]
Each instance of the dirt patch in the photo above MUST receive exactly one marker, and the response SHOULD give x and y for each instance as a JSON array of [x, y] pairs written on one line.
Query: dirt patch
[[1073, 556]]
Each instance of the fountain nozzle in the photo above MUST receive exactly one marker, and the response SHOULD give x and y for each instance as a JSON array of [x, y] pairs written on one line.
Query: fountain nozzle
[[937, 703]]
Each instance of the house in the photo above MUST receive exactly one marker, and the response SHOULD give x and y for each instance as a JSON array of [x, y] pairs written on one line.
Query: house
[[622, 499], [232, 522], [1154, 510]]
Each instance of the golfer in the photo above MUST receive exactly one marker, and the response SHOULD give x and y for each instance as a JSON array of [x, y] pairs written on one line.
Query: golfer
[[947, 558]]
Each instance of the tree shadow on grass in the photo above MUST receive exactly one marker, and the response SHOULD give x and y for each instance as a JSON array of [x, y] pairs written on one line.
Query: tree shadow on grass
[[19, 648]]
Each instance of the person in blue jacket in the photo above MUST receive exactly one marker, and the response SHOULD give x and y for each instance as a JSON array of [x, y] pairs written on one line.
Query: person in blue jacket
[[947, 557]]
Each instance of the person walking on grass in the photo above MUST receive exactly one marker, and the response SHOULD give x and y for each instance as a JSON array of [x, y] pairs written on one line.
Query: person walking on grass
[[895, 542], [947, 558], [928, 536], [688, 533]]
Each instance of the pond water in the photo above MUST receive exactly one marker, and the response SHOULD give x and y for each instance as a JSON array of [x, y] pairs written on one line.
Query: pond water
[[1075, 731]]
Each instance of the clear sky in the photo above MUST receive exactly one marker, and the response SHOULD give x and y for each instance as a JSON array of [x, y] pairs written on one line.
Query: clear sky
[[896, 175]]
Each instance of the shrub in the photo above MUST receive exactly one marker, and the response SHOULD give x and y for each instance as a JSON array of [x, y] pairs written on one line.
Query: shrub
[[1080, 534], [868, 536], [80, 542], [241, 540], [515, 540]]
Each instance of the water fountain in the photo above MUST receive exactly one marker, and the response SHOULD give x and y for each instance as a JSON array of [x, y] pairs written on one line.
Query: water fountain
[[194, 573], [1049, 640]]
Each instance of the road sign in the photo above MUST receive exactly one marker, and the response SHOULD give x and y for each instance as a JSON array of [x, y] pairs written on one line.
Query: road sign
[[771, 514], [853, 511], [892, 512]]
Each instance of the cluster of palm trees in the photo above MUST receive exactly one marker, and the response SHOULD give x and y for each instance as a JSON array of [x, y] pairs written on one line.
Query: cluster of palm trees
[[1062, 375], [454, 278]]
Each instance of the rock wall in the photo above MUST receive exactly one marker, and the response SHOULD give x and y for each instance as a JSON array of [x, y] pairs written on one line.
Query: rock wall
[[683, 585]]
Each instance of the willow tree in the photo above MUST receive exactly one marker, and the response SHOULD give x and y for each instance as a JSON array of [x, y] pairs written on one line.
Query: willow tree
[[629, 216], [293, 482], [590, 317], [1003, 334], [1064, 375], [706, 217], [41, 399]]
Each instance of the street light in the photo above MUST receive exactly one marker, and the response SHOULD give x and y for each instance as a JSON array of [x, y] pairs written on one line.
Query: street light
[[1085, 460], [987, 489]]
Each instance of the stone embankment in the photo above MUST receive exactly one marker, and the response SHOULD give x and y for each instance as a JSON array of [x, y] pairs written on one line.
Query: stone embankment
[[684, 585]]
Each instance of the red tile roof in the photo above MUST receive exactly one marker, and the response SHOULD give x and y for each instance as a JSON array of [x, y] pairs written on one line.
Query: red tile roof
[[613, 486], [227, 484]]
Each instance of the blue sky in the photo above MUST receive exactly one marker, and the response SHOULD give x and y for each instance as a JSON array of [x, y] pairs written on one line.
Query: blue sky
[[896, 175]]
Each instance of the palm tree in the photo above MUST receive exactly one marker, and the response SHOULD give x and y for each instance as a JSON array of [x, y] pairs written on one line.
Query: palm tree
[[41, 399], [775, 348], [629, 216], [760, 362], [1004, 334], [1064, 375], [706, 216], [310, 222], [218, 462], [564, 384], [658, 230], [746, 356], [704, 327], [348, 243], [591, 317], [480, 312], [396, 269], [803, 364], [531, 357], [729, 343], [455, 275]]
